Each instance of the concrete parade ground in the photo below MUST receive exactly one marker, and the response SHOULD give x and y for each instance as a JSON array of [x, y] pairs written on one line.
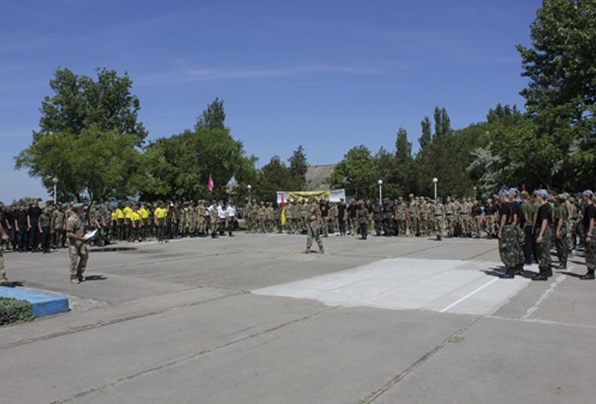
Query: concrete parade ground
[[249, 319]]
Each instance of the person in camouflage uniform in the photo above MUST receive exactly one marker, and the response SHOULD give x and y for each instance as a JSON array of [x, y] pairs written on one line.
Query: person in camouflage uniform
[[402, 217], [572, 228], [289, 212], [58, 224], [439, 216], [544, 237], [77, 244], [507, 234], [333, 225], [413, 216], [449, 217], [313, 216], [378, 218], [561, 220], [490, 212], [589, 230]]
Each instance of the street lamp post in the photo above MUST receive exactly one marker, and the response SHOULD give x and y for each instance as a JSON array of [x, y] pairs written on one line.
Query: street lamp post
[[249, 188], [435, 180], [380, 182], [55, 180]]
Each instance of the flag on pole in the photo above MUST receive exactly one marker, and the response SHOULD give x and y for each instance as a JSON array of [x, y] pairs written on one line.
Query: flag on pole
[[210, 183], [283, 210]]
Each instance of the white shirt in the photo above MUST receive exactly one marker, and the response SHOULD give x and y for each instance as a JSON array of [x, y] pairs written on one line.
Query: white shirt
[[221, 212], [231, 211]]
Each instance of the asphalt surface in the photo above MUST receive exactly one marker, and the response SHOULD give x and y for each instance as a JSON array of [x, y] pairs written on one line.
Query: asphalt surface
[[249, 319]]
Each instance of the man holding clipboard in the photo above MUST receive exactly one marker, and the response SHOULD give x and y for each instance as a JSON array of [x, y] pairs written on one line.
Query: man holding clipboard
[[77, 244]]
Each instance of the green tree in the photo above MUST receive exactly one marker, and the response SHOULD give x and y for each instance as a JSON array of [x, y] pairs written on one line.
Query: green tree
[[298, 167], [88, 137], [274, 176], [213, 117], [442, 124], [356, 173], [403, 147], [426, 137], [561, 94], [180, 165]]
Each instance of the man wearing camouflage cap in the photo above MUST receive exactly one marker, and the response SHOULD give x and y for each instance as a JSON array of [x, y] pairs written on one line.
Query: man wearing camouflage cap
[[313, 226]]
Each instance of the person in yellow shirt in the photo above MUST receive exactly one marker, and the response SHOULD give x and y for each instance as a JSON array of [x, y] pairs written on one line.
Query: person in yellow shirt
[[159, 216], [127, 220], [144, 213], [135, 226]]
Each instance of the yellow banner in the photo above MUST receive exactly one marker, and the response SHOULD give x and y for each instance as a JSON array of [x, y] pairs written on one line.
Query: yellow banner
[[300, 196]]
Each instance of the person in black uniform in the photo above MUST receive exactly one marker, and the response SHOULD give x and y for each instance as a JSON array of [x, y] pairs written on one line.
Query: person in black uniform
[[341, 216], [34, 213]]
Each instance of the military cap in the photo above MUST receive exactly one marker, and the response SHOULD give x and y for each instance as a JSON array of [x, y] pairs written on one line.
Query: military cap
[[542, 193], [588, 193], [561, 197], [78, 206], [524, 194]]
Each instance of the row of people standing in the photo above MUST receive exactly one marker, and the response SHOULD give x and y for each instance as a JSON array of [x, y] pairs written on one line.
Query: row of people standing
[[529, 226]]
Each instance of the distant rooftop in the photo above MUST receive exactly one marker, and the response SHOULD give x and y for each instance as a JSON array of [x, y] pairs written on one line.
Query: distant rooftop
[[316, 175]]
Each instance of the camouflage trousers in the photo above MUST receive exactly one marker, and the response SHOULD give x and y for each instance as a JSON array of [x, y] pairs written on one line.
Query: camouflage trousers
[[561, 246], [591, 252], [490, 226], [520, 241], [312, 233], [439, 225], [2, 271], [507, 246], [571, 235], [79, 254], [413, 226], [544, 258]]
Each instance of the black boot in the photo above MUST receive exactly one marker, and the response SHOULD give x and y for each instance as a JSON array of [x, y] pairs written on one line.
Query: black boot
[[588, 276], [519, 269], [509, 274], [541, 276]]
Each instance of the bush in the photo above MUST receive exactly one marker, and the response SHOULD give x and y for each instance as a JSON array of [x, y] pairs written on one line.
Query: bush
[[14, 310]]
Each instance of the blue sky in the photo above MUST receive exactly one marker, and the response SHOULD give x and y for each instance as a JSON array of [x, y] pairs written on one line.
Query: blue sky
[[325, 74]]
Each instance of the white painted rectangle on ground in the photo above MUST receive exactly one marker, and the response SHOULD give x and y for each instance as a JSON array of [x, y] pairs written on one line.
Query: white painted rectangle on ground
[[446, 286]]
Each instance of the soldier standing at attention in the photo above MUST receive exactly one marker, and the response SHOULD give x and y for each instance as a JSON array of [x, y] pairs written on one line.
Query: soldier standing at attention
[[449, 217], [588, 218], [363, 217], [544, 220], [77, 244], [507, 234], [313, 226], [378, 218], [325, 217], [439, 213], [342, 212]]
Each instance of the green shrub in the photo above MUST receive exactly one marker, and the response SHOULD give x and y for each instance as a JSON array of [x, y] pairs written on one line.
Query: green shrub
[[14, 310]]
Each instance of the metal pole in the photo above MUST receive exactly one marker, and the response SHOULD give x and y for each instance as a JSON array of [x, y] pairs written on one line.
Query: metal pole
[[55, 199], [435, 191], [380, 194]]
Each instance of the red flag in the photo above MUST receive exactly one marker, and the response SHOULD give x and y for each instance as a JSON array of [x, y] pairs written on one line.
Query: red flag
[[210, 183]]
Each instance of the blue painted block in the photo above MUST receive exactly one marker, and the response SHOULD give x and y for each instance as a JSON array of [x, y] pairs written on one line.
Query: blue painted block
[[43, 304]]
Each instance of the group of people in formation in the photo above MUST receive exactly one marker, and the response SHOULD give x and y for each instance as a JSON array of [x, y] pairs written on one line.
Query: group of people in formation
[[33, 229], [529, 225], [526, 225]]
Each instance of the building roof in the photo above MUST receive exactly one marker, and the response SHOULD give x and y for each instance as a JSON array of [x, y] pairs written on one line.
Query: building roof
[[316, 175]]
